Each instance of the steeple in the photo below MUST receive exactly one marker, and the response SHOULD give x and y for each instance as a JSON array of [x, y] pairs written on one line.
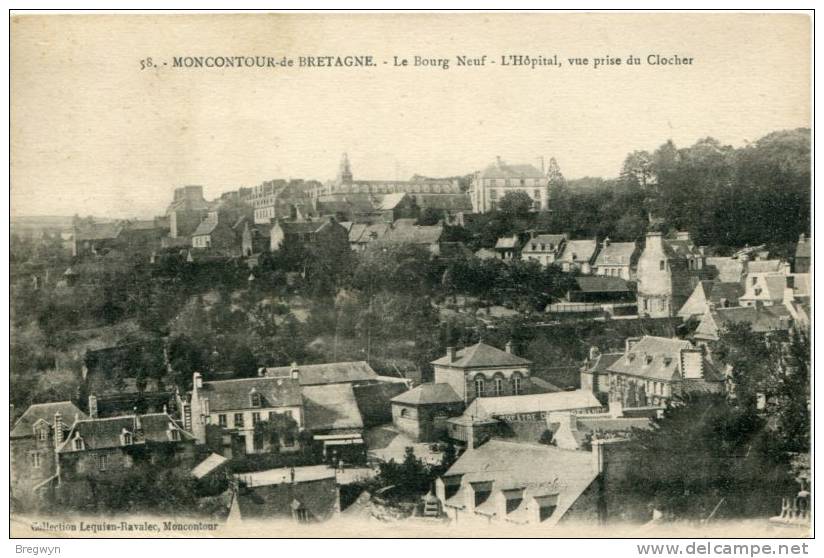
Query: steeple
[[345, 171]]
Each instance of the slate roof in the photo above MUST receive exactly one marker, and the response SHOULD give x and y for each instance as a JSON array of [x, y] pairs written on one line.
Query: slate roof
[[502, 170], [99, 231], [208, 465], [616, 253], [507, 242], [45, 411], [762, 320], [481, 355], [551, 242], [717, 290], [603, 362], [331, 407], [601, 284], [582, 250], [665, 355], [207, 226], [446, 202], [363, 233], [103, 433], [537, 402], [387, 202], [414, 234], [773, 283], [329, 373], [539, 469], [317, 496], [428, 394], [729, 270], [228, 395]]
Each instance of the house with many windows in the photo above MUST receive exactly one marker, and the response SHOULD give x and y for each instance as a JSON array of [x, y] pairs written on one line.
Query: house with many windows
[[33, 442], [490, 185], [546, 249], [482, 370]]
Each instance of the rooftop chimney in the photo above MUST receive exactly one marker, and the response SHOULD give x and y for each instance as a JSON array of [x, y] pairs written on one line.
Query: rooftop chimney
[[509, 347], [802, 237], [452, 354], [294, 372], [197, 380], [498, 161], [593, 353], [606, 241], [93, 406], [682, 235], [58, 429]]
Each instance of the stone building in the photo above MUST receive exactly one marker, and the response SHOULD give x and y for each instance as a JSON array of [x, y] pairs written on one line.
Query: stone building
[[490, 185], [312, 234], [345, 184], [482, 370], [33, 443], [579, 255], [422, 411], [653, 370], [617, 259], [98, 447], [664, 278], [187, 210], [545, 249]]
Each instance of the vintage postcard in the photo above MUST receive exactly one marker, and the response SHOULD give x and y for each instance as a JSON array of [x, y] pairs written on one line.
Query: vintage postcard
[[410, 274]]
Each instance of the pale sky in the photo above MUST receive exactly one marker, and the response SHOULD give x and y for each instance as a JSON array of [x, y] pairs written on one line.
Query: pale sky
[[93, 134]]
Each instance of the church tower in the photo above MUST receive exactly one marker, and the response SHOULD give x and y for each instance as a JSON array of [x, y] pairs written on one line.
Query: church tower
[[344, 172]]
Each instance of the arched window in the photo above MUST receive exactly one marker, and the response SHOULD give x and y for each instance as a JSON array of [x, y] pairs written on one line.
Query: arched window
[[479, 387], [404, 413], [499, 387], [126, 438], [516, 385]]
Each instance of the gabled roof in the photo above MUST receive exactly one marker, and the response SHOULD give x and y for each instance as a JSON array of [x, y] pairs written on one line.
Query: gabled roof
[[601, 284], [579, 250], [388, 202], [774, 284], [729, 270], [105, 432], [715, 291], [551, 242], [45, 411], [331, 407], [603, 361], [659, 358], [490, 407], [538, 470], [428, 394], [762, 320], [414, 234], [481, 355], [208, 465], [99, 231], [507, 242], [229, 395], [502, 170], [329, 373], [616, 253], [207, 226]]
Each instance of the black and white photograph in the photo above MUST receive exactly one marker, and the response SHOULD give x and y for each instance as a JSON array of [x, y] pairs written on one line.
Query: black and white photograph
[[411, 275]]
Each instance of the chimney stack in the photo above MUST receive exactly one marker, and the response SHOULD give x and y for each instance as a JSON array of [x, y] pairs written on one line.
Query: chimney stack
[[606, 242], [594, 352], [93, 406], [451, 353], [294, 372], [197, 380], [509, 347], [58, 429]]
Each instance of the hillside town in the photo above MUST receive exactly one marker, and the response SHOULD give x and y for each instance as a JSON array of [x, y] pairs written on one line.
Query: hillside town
[[504, 346]]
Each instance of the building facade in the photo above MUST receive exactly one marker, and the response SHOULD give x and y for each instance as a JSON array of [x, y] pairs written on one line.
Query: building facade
[[482, 370], [664, 279], [490, 185]]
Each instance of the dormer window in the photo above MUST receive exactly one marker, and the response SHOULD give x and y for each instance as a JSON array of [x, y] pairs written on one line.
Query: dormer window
[[77, 443], [648, 359], [42, 434], [667, 361], [126, 438], [254, 396], [174, 433], [631, 357]]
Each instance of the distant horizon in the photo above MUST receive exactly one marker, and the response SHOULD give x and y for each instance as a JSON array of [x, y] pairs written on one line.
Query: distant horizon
[[92, 133]]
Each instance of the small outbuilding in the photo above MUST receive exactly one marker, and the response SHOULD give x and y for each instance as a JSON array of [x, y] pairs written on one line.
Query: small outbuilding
[[422, 412]]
